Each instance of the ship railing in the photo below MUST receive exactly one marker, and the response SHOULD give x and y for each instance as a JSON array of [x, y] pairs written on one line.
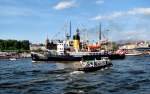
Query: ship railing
[[85, 53]]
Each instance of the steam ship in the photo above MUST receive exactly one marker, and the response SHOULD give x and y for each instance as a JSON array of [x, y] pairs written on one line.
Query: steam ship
[[74, 50], [75, 57]]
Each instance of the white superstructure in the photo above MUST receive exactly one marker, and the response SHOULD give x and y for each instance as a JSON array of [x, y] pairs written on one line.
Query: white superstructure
[[60, 48]]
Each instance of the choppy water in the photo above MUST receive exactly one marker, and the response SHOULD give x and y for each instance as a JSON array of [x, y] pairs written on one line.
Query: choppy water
[[129, 76]]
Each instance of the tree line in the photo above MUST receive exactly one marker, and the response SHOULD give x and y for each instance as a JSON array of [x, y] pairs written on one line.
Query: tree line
[[14, 45]]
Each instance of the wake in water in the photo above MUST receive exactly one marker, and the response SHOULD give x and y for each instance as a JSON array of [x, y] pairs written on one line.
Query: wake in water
[[76, 72], [81, 72]]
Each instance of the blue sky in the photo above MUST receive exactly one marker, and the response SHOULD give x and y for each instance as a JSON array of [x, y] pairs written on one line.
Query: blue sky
[[35, 19]]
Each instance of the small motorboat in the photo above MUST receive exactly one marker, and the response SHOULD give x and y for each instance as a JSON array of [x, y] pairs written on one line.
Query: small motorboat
[[93, 65], [12, 59]]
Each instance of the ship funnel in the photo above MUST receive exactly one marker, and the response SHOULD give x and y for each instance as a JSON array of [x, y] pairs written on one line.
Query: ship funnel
[[76, 41]]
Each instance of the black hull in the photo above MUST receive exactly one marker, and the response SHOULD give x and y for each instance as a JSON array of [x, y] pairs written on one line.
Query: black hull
[[91, 69], [35, 57]]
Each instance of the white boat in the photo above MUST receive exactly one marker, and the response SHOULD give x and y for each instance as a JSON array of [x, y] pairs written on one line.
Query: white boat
[[12, 59], [133, 53], [93, 65]]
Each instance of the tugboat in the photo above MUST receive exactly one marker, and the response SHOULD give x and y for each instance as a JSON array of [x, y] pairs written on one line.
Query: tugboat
[[94, 65], [74, 50], [49, 56]]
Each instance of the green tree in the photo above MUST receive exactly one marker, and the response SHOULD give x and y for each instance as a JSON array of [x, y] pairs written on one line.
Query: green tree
[[14, 45]]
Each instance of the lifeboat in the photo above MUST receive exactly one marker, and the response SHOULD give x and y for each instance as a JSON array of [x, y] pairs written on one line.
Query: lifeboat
[[93, 46]]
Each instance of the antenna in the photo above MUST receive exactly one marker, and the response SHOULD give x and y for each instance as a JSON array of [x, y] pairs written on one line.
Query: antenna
[[47, 36]]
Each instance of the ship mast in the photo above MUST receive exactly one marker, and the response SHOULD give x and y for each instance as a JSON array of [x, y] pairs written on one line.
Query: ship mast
[[100, 32], [70, 30], [68, 35]]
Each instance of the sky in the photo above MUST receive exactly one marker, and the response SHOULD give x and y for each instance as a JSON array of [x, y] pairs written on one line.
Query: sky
[[35, 20]]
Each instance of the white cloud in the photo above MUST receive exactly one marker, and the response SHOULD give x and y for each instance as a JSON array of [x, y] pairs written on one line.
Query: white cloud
[[145, 11], [136, 34], [97, 17], [99, 1], [134, 12], [132, 34], [64, 5]]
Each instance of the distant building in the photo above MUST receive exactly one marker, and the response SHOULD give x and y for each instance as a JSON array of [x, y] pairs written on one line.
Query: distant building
[[138, 47], [143, 44], [51, 45], [47, 43], [128, 46], [34, 47]]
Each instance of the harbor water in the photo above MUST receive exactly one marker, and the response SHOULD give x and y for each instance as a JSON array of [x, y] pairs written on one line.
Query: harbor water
[[128, 76]]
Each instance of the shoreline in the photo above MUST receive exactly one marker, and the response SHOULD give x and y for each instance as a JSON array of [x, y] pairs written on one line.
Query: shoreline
[[9, 55]]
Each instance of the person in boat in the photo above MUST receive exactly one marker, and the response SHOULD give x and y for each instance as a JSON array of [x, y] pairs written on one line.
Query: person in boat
[[83, 63], [95, 62], [87, 63], [91, 63]]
